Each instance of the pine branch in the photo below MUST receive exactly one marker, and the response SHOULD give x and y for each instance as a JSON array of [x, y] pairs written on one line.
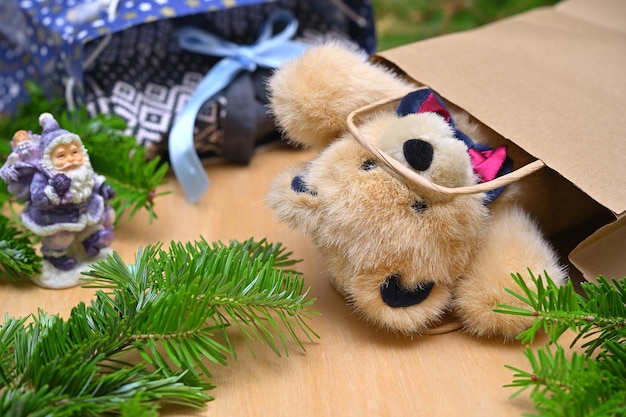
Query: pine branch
[[584, 384], [17, 255], [174, 308], [570, 386], [600, 312]]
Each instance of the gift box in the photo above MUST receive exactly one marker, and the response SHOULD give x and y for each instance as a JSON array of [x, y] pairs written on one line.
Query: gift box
[[552, 81]]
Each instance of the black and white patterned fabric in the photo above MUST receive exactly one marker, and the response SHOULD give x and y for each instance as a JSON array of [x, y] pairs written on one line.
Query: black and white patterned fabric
[[144, 76]]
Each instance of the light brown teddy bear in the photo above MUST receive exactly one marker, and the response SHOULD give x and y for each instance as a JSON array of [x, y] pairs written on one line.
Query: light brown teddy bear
[[404, 253]]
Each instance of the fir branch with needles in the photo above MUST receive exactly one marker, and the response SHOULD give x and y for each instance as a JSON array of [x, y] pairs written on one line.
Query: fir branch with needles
[[577, 384], [174, 308], [18, 258]]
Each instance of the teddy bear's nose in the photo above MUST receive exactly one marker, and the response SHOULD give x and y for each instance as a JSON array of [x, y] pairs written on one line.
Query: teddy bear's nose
[[418, 153]]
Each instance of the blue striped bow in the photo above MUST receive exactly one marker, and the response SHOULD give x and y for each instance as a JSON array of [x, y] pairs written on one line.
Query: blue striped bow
[[269, 51]]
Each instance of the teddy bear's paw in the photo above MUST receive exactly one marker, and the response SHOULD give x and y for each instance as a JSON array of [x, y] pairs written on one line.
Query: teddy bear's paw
[[311, 96], [478, 315], [513, 245], [479, 319], [298, 185], [390, 305], [292, 201]]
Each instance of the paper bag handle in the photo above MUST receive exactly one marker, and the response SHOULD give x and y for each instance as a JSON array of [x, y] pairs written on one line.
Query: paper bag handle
[[414, 177]]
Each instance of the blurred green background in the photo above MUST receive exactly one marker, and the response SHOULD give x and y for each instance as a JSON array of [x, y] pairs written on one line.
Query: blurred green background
[[404, 21]]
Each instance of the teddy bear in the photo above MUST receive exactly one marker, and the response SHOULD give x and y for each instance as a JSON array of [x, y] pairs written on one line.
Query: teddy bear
[[405, 255]]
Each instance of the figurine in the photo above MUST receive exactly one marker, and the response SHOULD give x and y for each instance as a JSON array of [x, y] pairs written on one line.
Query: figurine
[[66, 201]]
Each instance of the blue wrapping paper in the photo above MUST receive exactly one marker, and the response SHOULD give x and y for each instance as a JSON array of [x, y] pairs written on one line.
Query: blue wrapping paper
[[43, 40]]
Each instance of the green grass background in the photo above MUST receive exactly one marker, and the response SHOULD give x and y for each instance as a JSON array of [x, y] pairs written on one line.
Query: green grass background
[[399, 22]]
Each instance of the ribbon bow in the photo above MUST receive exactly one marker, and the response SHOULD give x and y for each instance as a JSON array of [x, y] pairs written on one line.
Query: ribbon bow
[[487, 163], [269, 51]]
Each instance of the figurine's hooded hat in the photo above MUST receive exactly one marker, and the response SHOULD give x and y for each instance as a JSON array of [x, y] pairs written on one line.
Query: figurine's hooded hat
[[52, 134]]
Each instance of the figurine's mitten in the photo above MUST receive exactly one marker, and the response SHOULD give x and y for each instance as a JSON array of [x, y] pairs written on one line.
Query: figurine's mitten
[[106, 191], [60, 183]]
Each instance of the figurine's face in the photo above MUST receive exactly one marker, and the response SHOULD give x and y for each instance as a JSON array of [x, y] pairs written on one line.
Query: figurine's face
[[66, 157]]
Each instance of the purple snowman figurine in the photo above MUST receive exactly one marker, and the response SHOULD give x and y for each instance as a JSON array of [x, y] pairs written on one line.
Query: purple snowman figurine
[[66, 202]]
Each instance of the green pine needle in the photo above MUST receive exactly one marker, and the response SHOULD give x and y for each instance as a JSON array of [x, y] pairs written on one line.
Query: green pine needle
[[591, 383], [17, 255], [174, 308]]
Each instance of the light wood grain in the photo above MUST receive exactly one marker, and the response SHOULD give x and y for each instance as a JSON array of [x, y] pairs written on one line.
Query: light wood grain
[[353, 369]]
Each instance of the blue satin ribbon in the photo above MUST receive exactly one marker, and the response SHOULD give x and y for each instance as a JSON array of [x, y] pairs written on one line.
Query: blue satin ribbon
[[269, 51]]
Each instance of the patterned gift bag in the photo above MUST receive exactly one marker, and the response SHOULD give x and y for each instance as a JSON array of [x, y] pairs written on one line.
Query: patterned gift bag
[[45, 40]]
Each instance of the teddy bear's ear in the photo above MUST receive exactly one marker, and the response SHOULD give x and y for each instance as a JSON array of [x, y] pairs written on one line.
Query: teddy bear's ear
[[487, 163], [311, 96], [422, 101]]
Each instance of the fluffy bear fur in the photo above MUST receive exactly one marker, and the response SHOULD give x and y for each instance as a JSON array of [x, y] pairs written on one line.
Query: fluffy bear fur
[[388, 243]]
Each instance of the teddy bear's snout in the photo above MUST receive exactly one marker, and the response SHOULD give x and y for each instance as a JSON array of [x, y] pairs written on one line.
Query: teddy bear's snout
[[418, 153], [394, 295]]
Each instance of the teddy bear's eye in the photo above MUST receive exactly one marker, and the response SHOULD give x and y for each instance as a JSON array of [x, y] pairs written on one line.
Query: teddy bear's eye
[[368, 165], [419, 206]]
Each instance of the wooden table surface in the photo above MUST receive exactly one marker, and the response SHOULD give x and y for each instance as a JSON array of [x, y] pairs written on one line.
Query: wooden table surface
[[353, 369]]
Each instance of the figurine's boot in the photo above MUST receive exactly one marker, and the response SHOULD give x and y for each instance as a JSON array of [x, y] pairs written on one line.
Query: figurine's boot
[[63, 263], [54, 248], [98, 240]]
